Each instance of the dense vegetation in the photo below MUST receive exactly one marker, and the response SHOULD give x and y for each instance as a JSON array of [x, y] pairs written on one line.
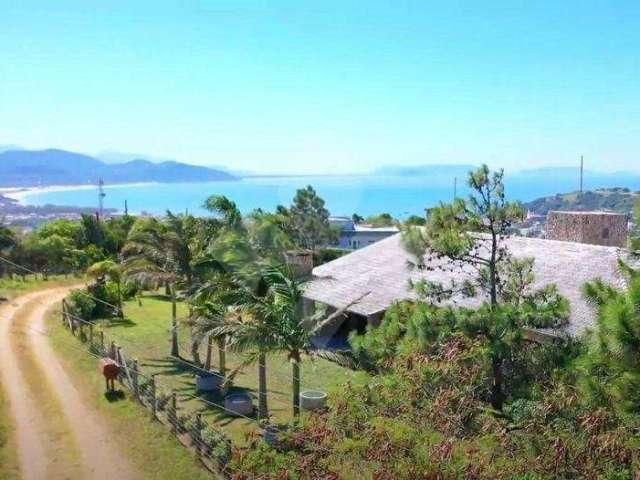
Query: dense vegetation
[[454, 392], [618, 199], [460, 393]]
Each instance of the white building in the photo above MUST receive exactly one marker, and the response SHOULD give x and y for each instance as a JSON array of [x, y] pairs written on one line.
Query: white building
[[354, 236]]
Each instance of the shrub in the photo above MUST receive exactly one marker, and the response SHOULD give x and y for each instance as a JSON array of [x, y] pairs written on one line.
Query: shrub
[[81, 305], [218, 446]]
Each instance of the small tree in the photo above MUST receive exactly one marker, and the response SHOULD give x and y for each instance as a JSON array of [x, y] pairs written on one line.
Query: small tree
[[610, 367], [7, 240], [310, 219], [469, 234], [634, 238], [111, 270]]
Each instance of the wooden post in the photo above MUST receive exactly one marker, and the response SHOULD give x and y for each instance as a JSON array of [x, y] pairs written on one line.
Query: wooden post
[[64, 311], [154, 406], [175, 351], [112, 352], [101, 342], [174, 411], [91, 334], [207, 362], [199, 434], [134, 379]]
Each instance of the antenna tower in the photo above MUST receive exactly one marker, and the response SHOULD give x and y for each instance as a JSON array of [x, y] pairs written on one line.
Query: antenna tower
[[101, 196]]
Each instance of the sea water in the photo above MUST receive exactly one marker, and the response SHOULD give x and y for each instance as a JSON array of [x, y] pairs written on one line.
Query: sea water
[[400, 196]]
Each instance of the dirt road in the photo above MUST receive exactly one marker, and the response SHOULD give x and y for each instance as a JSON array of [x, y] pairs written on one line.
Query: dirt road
[[58, 436]]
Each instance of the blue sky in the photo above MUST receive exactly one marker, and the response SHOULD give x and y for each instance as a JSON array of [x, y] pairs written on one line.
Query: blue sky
[[326, 87]]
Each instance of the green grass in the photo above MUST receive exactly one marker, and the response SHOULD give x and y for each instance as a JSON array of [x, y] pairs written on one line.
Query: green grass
[[10, 289], [152, 447], [145, 335]]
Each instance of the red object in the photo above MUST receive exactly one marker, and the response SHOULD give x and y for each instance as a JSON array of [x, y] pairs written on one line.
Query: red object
[[109, 368]]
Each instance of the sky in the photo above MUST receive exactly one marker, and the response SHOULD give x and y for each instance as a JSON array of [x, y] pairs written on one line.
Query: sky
[[326, 87]]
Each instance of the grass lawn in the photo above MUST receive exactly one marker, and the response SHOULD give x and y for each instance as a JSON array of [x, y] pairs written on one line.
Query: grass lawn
[[10, 289], [145, 335], [153, 448]]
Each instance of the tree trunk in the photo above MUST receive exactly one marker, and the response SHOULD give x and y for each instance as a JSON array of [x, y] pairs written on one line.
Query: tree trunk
[[295, 382], [175, 351], [493, 270], [207, 361], [263, 411], [222, 356], [120, 312], [195, 348], [497, 396]]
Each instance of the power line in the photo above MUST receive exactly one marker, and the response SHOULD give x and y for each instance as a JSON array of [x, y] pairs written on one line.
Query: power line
[[115, 307]]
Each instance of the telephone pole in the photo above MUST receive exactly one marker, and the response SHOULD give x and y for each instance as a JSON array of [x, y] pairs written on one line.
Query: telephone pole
[[455, 188], [581, 173], [101, 196]]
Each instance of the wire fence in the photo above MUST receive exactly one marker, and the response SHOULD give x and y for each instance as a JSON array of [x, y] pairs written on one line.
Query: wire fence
[[212, 447]]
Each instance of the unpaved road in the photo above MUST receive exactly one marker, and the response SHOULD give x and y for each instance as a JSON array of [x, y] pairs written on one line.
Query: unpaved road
[[57, 435]]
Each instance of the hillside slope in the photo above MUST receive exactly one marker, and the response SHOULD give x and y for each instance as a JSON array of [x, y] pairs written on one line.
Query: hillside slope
[[615, 199], [24, 168]]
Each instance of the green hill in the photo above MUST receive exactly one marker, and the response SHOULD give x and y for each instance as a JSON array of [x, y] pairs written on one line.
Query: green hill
[[615, 199]]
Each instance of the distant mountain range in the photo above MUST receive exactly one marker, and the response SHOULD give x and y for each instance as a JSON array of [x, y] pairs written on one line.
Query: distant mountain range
[[463, 169], [28, 168], [424, 170]]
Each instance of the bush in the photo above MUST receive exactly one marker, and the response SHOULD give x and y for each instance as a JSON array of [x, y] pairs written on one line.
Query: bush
[[81, 305], [218, 446], [130, 290], [324, 255], [106, 295]]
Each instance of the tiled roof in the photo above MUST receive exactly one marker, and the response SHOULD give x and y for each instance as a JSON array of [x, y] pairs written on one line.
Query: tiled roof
[[381, 272]]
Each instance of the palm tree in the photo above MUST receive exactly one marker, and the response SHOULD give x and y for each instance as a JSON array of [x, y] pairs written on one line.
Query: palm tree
[[239, 255], [610, 367], [160, 253], [292, 328], [213, 304], [111, 270]]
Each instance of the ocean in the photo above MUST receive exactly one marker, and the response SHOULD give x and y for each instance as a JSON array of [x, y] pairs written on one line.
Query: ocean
[[400, 196]]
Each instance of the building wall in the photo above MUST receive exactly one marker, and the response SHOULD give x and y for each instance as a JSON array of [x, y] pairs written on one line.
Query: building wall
[[355, 239], [596, 228]]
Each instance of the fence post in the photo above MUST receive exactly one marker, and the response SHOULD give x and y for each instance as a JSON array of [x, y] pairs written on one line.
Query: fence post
[[101, 342], [199, 434], [91, 335], [134, 378], [64, 311], [174, 411], [154, 406], [112, 352]]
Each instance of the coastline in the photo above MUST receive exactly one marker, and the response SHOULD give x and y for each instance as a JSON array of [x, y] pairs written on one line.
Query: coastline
[[20, 194]]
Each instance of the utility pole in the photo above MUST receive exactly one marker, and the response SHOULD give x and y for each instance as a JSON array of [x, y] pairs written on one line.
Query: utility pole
[[581, 173], [101, 196], [126, 208], [455, 188]]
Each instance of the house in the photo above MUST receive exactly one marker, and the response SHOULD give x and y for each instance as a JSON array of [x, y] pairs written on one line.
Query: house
[[378, 275], [357, 235]]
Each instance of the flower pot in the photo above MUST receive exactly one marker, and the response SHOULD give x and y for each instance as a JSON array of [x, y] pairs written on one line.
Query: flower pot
[[313, 399], [238, 404], [209, 383]]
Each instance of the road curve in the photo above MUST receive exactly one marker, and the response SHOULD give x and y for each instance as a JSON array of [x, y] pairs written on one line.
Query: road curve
[[25, 355]]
